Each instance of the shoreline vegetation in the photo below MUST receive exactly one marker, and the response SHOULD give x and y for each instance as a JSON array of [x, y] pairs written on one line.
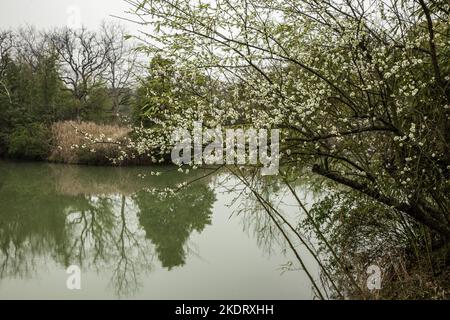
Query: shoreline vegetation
[[360, 95], [70, 145], [71, 142]]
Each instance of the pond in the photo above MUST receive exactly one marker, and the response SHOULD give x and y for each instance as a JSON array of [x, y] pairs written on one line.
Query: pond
[[205, 241]]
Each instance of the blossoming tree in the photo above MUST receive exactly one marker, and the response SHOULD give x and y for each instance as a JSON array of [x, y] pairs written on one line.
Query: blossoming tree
[[361, 89]]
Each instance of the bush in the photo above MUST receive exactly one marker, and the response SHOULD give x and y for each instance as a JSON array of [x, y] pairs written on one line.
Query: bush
[[31, 142]]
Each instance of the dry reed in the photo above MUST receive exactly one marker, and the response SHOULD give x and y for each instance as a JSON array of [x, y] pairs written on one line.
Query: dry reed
[[72, 146]]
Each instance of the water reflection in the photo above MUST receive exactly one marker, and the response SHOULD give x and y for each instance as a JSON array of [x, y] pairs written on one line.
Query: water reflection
[[211, 239], [168, 222], [97, 218]]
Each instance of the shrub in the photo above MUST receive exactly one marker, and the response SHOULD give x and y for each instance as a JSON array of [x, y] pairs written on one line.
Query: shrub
[[31, 142]]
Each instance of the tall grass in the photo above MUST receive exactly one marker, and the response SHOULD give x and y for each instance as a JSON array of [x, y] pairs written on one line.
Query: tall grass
[[73, 142]]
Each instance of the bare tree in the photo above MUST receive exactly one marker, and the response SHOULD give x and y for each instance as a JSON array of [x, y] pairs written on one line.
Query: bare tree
[[31, 46], [6, 48], [84, 60], [121, 61]]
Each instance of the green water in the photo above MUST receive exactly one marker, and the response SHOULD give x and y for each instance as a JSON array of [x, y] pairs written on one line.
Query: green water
[[207, 241]]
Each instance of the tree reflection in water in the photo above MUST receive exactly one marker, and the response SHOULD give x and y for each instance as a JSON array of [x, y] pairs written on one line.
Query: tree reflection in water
[[44, 213], [169, 221]]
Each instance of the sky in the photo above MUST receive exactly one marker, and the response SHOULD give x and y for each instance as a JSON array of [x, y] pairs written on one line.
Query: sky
[[45, 14]]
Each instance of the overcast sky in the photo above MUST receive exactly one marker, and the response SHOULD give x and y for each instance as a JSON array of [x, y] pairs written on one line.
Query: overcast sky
[[60, 13]]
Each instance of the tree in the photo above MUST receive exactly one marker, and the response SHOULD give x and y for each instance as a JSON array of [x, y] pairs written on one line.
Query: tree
[[121, 64], [6, 47], [168, 89], [360, 89], [83, 56], [31, 95]]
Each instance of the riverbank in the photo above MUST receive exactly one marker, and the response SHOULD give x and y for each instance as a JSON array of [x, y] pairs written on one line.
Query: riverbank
[[71, 142]]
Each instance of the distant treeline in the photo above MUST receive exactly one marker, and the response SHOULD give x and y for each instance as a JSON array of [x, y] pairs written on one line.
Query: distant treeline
[[62, 74]]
